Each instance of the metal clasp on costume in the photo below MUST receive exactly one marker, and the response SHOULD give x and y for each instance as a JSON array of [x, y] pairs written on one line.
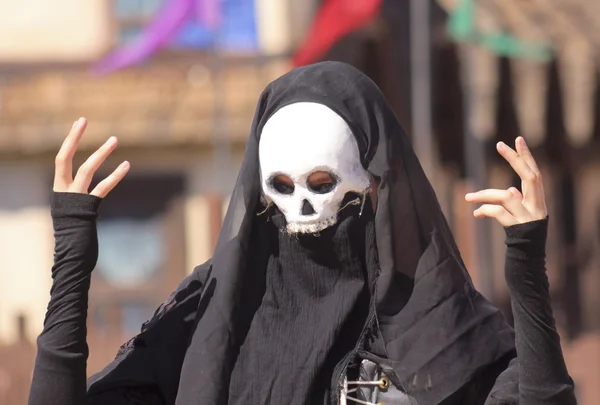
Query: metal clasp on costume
[[382, 383]]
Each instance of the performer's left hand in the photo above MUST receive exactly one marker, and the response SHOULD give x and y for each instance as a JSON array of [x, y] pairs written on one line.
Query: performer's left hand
[[510, 207]]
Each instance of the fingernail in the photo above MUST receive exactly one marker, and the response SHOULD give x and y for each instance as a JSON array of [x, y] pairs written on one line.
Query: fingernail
[[522, 142], [124, 165], [111, 140]]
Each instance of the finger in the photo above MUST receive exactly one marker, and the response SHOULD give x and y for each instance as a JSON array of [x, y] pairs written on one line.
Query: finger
[[84, 175], [106, 185], [525, 153], [518, 164], [516, 193], [504, 198], [497, 212], [63, 172]]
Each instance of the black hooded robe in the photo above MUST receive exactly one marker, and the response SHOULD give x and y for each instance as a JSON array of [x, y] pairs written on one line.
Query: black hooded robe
[[441, 341]]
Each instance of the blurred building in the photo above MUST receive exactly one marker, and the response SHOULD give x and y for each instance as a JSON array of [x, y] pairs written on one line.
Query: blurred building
[[499, 69], [182, 118]]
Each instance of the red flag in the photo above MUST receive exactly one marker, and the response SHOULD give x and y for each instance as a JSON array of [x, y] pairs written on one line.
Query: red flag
[[334, 19]]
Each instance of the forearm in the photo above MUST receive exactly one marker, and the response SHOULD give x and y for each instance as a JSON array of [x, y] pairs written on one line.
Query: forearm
[[543, 376], [60, 367]]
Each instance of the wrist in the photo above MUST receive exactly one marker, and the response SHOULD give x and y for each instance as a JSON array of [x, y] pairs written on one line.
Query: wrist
[[71, 210], [527, 240], [64, 204]]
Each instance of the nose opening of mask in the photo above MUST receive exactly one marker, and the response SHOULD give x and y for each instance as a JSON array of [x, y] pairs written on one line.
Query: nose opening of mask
[[307, 208]]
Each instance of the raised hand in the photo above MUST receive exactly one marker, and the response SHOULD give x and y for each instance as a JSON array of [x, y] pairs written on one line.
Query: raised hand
[[510, 207], [63, 174]]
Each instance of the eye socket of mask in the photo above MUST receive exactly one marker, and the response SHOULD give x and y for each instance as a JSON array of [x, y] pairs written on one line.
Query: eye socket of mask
[[320, 182], [282, 184]]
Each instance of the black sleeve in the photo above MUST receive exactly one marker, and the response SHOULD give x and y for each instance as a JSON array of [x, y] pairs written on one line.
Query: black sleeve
[[59, 375], [146, 369], [538, 375]]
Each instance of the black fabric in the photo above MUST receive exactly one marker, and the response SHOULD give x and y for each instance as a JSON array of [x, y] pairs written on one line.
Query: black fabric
[[545, 380], [311, 315], [62, 347], [539, 374], [432, 320]]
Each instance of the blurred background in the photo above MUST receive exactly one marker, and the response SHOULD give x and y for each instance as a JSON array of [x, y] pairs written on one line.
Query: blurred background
[[177, 81]]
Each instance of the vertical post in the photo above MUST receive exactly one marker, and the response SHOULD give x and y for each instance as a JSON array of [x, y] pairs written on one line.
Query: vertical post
[[476, 172], [221, 147], [22, 328], [420, 57]]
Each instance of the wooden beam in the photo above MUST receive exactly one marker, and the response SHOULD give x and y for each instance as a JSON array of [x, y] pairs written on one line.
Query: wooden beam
[[529, 76], [578, 85], [550, 13], [485, 18], [485, 77], [484, 68], [155, 105], [576, 54], [517, 21], [530, 91], [563, 23], [585, 15], [578, 58]]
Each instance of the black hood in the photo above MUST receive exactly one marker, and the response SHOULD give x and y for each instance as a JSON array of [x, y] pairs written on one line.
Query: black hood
[[438, 331]]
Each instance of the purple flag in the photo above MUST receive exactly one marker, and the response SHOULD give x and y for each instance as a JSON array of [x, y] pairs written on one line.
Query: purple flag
[[208, 13], [173, 15]]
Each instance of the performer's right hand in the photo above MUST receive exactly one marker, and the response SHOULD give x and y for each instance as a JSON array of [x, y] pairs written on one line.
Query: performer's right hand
[[63, 173]]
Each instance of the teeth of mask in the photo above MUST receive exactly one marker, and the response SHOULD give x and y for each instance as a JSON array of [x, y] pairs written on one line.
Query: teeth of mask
[[311, 228], [299, 141]]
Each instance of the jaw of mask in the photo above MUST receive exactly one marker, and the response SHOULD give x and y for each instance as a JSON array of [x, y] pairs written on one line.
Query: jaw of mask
[[309, 162]]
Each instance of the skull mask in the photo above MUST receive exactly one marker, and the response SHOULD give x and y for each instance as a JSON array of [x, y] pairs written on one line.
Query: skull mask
[[301, 142]]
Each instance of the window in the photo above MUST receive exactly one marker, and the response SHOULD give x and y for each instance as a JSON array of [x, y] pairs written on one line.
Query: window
[[134, 314], [133, 16], [131, 249], [131, 229], [237, 30], [136, 9], [141, 252]]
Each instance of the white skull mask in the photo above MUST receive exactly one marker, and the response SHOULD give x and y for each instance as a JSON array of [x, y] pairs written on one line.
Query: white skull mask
[[302, 139]]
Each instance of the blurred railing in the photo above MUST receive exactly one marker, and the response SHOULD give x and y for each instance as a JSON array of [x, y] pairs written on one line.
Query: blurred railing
[[166, 102], [16, 365]]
